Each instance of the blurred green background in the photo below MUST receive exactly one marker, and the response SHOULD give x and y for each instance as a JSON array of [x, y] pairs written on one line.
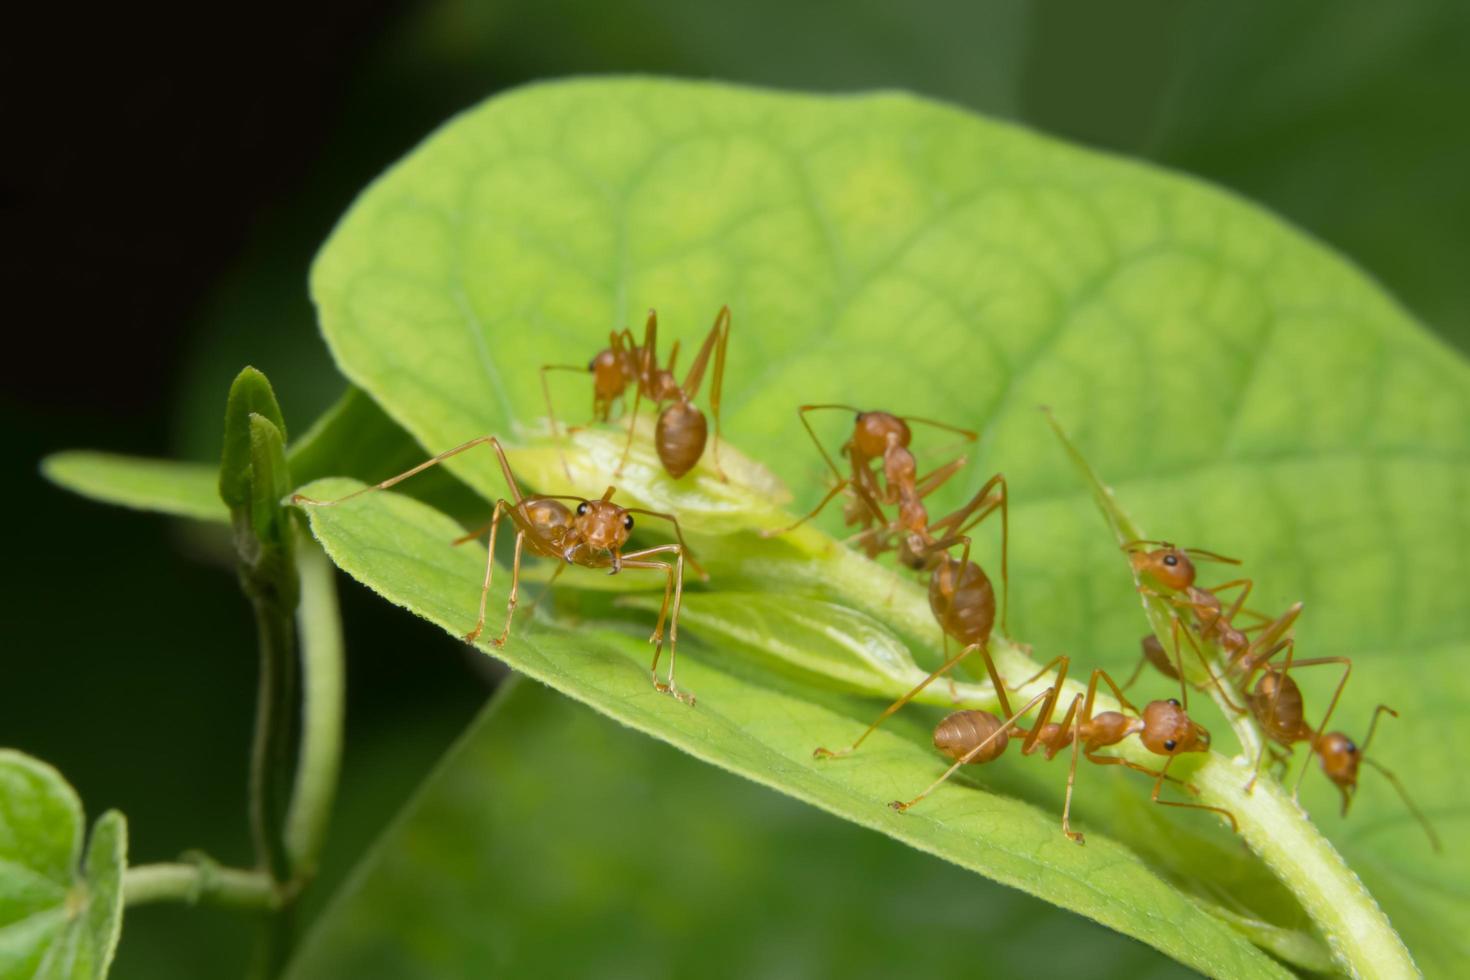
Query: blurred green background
[[163, 201]]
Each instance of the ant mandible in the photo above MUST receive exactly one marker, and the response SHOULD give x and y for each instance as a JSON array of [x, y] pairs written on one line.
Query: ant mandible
[[680, 434], [591, 535]]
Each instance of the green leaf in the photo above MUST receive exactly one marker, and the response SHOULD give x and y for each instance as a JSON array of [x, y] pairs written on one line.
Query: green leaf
[[1243, 388], [163, 486], [250, 394], [755, 724], [661, 866], [60, 912]]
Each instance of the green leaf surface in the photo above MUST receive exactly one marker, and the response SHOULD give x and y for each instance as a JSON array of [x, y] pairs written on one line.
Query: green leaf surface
[[60, 911], [1244, 389], [160, 485], [548, 819], [758, 725]]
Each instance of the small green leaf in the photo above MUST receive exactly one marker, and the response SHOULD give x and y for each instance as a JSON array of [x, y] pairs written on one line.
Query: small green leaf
[[250, 394], [547, 818], [163, 486], [60, 912], [759, 725]]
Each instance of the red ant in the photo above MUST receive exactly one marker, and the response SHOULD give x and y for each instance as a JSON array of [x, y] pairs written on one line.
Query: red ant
[[681, 432], [1168, 572], [592, 535], [977, 737], [1277, 704], [879, 436]]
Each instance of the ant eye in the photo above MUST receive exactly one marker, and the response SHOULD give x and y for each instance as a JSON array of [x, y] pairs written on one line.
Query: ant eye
[[859, 418], [1174, 702], [628, 521], [1350, 748], [582, 509], [1170, 744], [592, 365], [1171, 560]]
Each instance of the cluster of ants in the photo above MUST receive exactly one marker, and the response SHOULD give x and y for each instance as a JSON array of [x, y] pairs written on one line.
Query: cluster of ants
[[880, 475]]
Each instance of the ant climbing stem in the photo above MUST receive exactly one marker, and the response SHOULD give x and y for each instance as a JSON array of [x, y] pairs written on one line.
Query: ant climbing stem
[[681, 431], [592, 534], [876, 436]]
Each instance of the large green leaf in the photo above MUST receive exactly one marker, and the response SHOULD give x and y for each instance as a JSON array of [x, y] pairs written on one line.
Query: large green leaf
[[1244, 389], [548, 818], [754, 723], [60, 911]]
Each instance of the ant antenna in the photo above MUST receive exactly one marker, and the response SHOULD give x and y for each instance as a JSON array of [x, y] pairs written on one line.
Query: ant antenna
[[1397, 784]]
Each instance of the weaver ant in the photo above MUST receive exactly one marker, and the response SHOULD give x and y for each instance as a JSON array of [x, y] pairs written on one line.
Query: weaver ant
[[591, 535], [879, 436], [681, 432], [977, 737], [1277, 704], [1168, 572]]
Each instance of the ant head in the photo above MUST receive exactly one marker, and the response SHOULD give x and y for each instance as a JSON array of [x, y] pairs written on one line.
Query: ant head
[[603, 524], [1340, 757], [1167, 730], [608, 375], [1167, 566], [871, 432]]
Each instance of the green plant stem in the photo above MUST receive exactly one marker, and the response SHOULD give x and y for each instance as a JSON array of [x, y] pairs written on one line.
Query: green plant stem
[[1359, 935], [199, 883], [270, 749], [320, 755]]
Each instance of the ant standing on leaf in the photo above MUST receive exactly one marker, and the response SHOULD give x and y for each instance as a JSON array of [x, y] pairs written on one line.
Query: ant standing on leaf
[[973, 737], [591, 535], [681, 431]]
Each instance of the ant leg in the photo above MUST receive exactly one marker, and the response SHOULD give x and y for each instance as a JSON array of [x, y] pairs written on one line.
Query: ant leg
[[474, 634], [1260, 758], [888, 712], [1046, 669], [1071, 779], [933, 480], [771, 533], [1244, 585], [531, 609], [1403, 794], [469, 536], [675, 575], [962, 760], [510, 479], [632, 427], [1100, 674], [551, 412], [718, 338], [1159, 784], [515, 588], [979, 507], [1347, 671]]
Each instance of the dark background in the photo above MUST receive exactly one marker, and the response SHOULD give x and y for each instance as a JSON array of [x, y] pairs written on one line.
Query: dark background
[[167, 177]]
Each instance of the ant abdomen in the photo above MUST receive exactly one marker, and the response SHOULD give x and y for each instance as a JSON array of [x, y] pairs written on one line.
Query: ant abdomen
[[680, 437], [960, 732], [963, 600], [1276, 703], [1154, 651]]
